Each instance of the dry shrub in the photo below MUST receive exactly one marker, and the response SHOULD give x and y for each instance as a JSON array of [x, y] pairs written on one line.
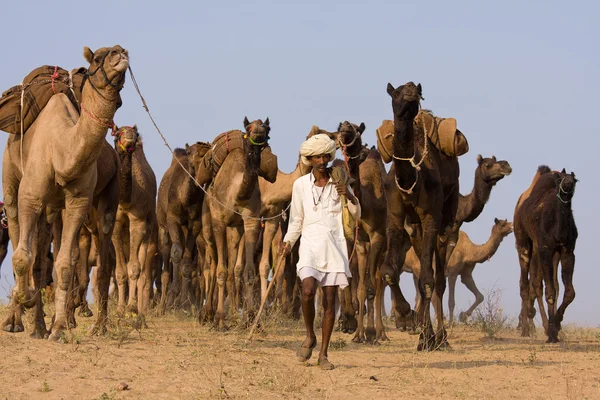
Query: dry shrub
[[489, 316]]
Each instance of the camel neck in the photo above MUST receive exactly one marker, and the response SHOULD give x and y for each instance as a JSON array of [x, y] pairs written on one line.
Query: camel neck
[[404, 147], [471, 205], [125, 176], [250, 174], [485, 251], [85, 140]]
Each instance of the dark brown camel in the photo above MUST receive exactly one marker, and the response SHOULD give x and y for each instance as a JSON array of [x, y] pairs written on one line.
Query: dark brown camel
[[179, 214], [427, 199], [546, 234], [369, 187]]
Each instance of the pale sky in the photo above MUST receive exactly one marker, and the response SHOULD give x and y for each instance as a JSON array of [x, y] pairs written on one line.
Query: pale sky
[[521, 78]]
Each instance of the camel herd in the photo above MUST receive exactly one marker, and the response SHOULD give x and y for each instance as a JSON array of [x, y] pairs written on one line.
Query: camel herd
[[208, 234]]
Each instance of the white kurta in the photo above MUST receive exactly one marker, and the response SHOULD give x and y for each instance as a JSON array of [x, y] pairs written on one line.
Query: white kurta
[[323, 245]]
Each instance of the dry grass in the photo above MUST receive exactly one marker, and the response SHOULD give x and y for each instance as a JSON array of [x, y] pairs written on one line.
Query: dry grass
[[175, 357]]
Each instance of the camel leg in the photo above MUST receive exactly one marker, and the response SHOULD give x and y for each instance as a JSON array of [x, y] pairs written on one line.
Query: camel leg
[[264, 265], [73, 218], [545, 260], [524, 252], [121, 267], [165, 252], [375, 259], [138, 246], [235, 270], [105, 222], [467, 279], [394, 259], [251, 233], [361, 292], [427, 282], [441, 337], [178, 239], [39, 272], [186, 268], [219, 233], [451, 299], [567, 261], [83, 273], [148, 270]]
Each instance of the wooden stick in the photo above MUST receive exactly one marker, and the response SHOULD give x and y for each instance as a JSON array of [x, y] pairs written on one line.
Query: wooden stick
[[264, 300]]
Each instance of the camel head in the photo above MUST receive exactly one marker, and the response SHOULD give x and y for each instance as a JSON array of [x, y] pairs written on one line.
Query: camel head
[[349, 133], [566, 185], [126, 139], [502, 227], [107, 68], [195, 154], [257, 131], [405, 100], [491, 170], [315, 130]]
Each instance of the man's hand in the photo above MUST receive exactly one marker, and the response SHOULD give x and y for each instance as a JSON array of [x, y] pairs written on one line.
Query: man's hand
[[285, 250], [343, 191]]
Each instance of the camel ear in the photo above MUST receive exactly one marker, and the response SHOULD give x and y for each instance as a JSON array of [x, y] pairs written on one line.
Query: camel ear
[[494, 158], [187, 148], [420, 89], [361, 127], [496, 220], [563, 171], [246, 122], [390, 89], [88, 54], [479, 159], [267, 121], [339, 126], [135, 127]]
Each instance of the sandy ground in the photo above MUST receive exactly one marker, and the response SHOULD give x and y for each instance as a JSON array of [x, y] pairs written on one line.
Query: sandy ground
[[177, 358]]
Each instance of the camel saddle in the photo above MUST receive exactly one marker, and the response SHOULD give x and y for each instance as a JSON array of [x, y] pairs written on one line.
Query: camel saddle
[[341, 175], [37, 88], [227, 142], [442, 133]]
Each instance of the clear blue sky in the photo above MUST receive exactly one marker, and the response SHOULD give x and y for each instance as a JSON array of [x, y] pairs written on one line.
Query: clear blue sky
[[521, 78]]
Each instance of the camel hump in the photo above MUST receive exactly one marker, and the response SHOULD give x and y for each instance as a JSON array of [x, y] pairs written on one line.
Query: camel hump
[[39, 86], [542, 170]]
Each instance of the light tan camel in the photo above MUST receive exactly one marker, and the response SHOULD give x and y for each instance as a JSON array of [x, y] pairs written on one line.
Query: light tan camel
[[235, 191], [60, 151], [137, 205], [464, 258]]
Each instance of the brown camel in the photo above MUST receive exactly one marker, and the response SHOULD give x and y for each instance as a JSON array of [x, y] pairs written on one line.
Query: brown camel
[[369, 187], [58, 169], [546, 234], [462, 263], [234, 207], [427, 199], [179, 214], [137, 205]]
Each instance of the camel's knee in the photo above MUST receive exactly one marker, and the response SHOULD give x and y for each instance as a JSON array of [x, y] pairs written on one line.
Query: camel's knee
[[134, 270], [21, 261], [264, 270], [479, 298], [176, 253], [121, 275]]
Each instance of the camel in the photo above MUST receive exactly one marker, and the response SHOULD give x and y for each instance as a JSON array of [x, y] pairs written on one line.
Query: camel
[[234, 208], [137, 205], [179, 214], [546, 234], [57, 172], [462, 263], [427, 199], [369, 183]]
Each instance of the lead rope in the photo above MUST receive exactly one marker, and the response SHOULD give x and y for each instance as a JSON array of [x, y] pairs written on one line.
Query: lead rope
[[417, 166], [145, 105]]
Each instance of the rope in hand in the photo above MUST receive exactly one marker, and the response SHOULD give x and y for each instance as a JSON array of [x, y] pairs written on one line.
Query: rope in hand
[[145, 105]]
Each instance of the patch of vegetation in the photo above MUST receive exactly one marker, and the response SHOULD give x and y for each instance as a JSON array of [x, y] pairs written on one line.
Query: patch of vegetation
[[45, 387], [338, 344], [489, 316]]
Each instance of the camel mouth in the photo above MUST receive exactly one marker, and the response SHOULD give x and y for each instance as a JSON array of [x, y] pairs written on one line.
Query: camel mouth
[[506, 173], [122, 64]]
